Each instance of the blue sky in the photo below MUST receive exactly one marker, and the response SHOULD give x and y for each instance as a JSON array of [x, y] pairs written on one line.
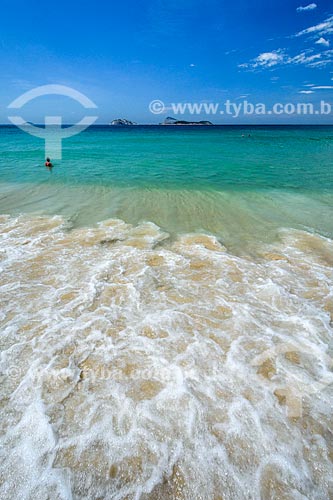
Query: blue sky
[[123, 55]]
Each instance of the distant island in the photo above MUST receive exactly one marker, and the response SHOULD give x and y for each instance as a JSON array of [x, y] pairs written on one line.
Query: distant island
[[122, 122], [172, 121]]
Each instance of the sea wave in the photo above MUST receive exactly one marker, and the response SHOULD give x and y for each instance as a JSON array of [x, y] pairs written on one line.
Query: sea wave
[[136, 365]]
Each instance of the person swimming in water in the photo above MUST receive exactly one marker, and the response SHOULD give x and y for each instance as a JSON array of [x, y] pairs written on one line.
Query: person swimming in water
[[48, 163]]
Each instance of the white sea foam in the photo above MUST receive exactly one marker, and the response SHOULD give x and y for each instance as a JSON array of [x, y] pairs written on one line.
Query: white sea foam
[[140, 366]]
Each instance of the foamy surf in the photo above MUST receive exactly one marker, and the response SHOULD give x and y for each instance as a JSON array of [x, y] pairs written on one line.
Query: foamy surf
[[139, 366]]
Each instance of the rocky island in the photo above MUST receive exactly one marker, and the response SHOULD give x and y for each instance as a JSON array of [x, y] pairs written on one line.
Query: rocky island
[[173, 121], [122, 122]]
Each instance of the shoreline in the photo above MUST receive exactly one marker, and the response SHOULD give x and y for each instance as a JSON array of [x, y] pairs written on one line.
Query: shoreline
[[119, 324]]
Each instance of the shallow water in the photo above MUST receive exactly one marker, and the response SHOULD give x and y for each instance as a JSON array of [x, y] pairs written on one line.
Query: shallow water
[[189, 357], [139, 367]]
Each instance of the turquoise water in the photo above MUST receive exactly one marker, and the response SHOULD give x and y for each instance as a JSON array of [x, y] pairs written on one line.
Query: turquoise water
[[242, 184], [166, 157]]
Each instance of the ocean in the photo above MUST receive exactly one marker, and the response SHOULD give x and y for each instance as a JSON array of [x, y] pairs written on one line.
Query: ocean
[[166, 314]]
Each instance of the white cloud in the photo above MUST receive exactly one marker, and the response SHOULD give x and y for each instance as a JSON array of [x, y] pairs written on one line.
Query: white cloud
[[323, 87], [279, 57], [305, 57], [324, 28], [192, 65], [311, 6], [265, 60], [315, 87], [323, 41], [320, 64], [312, 60], [310, 57], [269, 59]]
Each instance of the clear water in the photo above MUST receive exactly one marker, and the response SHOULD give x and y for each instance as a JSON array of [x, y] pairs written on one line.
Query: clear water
[[166, 312], [218, 180]]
